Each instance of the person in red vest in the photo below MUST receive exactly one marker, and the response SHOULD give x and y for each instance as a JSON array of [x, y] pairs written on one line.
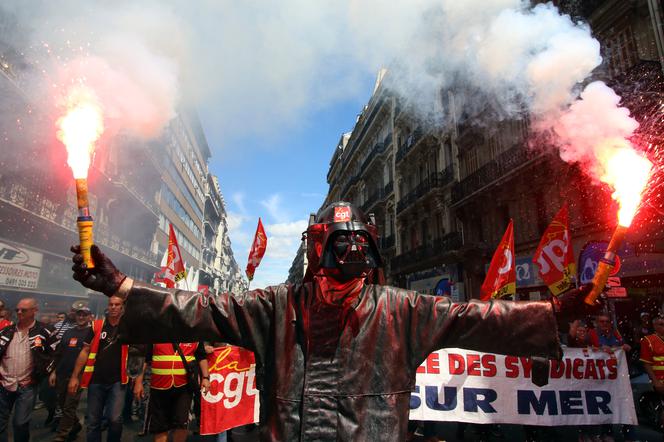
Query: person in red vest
[[4, 316], [652, 356], [170, 392], [103, 365]]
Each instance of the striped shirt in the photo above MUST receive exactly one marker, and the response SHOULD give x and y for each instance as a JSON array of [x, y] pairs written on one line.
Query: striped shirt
[[16, 366], [59, 330]]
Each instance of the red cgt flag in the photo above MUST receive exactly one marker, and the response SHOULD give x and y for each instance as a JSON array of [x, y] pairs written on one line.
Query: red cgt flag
[[501, 278], [257, 250], [174, 269], [555, 254]]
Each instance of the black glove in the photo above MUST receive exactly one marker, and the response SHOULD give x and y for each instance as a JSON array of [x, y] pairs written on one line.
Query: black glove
[[104, 277], [571, 304]]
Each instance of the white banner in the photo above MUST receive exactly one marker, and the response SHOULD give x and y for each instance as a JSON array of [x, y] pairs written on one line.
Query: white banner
[[585, 388], [19, 267]]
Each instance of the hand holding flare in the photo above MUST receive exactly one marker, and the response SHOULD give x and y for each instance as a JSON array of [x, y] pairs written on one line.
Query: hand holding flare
[[79, 128]]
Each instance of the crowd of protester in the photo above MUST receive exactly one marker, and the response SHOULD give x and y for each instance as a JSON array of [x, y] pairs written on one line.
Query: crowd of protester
[[48, 362]]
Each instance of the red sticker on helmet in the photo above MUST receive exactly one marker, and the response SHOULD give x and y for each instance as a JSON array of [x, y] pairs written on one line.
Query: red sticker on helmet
[[341, 214]]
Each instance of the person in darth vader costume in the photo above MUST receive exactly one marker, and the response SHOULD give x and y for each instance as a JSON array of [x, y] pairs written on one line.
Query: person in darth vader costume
[[336, 355]]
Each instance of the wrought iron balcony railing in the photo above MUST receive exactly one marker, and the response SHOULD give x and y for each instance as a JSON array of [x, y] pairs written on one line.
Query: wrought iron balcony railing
[[436, 249], [501, 166], [433, 181]]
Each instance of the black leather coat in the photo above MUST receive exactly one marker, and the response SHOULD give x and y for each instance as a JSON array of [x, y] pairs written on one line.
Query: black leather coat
[[326, 373]]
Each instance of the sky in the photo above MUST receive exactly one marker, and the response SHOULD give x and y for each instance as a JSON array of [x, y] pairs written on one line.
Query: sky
[[281, 179]]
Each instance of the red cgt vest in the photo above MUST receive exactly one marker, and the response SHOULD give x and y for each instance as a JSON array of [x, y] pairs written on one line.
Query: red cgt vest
[[97, 327], [167, 368]]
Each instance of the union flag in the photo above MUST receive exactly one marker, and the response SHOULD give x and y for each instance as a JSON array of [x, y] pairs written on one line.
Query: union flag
[[500, 280], [257, 250], [555, 255], [174, 269]]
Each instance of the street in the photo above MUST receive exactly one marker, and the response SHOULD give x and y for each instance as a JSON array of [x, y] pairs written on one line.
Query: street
[[446, 431]]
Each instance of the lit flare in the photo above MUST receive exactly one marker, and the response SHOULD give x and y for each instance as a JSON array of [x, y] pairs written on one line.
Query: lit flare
[[79, 129], [627, 172]]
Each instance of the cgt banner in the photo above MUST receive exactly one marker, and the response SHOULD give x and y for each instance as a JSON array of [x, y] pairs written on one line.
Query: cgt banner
[[233, 399], [585, 388]]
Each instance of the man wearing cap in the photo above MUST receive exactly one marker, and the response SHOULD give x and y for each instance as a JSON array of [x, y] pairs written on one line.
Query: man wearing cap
[[66, 354], [336, 355]]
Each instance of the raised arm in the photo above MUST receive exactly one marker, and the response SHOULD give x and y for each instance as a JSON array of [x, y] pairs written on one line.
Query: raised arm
[[503, 327], [153, 314]]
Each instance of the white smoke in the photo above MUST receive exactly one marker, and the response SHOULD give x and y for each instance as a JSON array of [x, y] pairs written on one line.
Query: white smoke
[[269, 62]]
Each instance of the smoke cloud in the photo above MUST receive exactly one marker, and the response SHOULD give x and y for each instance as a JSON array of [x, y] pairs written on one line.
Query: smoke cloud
[[260, 67]]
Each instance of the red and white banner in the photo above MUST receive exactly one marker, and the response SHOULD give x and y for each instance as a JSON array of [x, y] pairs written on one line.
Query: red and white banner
[[555, 255], [585, 388], [233, 399], [500, 279]]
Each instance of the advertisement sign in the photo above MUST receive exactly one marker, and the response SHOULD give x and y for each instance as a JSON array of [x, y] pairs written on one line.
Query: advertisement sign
[[19, 266], [233, 399], [585, 388]]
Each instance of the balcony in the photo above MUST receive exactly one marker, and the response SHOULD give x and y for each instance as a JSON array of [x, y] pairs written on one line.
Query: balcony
[[351, 182], [435, 250], [433, 181], [502, 166], [377, 149], [377, 196], [409, 143]]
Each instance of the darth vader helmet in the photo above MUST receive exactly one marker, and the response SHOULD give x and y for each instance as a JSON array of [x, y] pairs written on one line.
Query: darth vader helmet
[[342, 237]]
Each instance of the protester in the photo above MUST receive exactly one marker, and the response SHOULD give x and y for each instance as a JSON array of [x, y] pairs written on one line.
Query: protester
[[578, 335], [65, 321], [66, 355], [5, 316], [25, 359], [605, 336], [652, 356], [105, 375], [336, 356], [171, 389]]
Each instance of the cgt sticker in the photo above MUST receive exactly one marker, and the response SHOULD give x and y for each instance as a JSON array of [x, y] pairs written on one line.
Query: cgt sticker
[[341, 214]]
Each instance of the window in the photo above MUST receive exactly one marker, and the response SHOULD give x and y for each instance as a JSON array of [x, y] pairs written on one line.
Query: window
[[174, 204]]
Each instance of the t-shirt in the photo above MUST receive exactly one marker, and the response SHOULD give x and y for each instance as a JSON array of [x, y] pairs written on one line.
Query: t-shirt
[[109, 355], [68, 350], [613, 339]]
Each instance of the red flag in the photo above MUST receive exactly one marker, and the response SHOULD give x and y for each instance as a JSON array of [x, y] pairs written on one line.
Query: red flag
[[257, 250], [174, 269], [501, 278], [233, 399], [555, 254]]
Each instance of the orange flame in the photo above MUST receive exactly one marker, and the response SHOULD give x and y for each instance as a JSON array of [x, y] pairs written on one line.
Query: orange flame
[[627, 172], [79, 128]]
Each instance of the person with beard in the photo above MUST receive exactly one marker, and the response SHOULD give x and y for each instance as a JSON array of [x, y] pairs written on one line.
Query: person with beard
[[336, 355], [101, 367]]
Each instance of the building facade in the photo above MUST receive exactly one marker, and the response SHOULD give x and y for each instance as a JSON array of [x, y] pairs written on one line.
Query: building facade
[[443, 194]]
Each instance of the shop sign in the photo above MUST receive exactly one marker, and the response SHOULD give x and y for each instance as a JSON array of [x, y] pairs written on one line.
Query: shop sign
[[19, 266]]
